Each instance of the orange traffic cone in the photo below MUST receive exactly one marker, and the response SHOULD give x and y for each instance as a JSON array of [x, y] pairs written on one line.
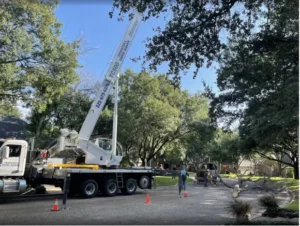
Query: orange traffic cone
[[147, 199], [55, 207], [185, 194]]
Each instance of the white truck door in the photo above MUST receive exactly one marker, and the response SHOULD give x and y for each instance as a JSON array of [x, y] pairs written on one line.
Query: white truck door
[[13, 164]]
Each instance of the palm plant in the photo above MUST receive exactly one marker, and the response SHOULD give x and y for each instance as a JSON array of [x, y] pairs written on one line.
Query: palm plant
[[240, 210]]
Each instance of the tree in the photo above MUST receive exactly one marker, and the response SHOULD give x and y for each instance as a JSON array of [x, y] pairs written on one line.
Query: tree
[[198, 143], [192, 35], [258, 79], [174, 152], [9, 109], [152, 113], [69, 111], [225, 148], [36, 66]]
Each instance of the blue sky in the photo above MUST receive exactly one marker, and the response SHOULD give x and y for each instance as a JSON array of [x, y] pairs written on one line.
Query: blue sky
[[91, 20]]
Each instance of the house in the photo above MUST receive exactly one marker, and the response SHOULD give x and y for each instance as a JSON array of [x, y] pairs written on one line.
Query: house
[[261, 167]]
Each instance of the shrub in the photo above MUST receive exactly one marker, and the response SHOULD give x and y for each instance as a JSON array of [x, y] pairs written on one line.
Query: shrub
[[240, 210], [286, 213], [269, 202], [273, 210]]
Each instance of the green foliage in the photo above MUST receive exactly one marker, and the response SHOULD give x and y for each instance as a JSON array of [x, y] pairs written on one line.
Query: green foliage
[[69, 111], [258, 78], [35, 65], [258, 74], [152, 114], [8, 109], [225, 147], [192, 35], [66, 112], [199, 143], [174, 152]]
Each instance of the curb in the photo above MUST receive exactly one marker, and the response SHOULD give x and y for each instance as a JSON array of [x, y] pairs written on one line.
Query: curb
[[257, 215]]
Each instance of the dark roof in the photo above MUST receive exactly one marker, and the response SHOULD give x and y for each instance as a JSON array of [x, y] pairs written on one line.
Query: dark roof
[[13, 127]]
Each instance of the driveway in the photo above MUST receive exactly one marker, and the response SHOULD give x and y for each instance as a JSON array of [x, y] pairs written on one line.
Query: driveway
[[202, 206]]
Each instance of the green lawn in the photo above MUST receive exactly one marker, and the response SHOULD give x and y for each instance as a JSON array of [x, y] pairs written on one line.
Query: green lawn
[[293, 206], [292, 185], [167, 180], [231, 175]]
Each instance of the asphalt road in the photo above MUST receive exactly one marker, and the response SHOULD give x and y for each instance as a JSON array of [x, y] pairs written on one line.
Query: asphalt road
[[202, 206]]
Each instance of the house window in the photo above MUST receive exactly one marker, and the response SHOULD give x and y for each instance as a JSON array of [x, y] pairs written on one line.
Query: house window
[[14, 150]]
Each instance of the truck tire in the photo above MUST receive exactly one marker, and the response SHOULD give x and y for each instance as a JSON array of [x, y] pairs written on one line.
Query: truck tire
[[130, 187], [89, 189], [110, 188], [144, 182]]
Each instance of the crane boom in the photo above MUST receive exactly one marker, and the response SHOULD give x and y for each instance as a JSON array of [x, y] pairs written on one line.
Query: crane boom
[[110, 77]]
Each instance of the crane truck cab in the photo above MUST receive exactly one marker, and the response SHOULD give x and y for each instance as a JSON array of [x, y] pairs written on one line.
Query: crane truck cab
[[13, 155]]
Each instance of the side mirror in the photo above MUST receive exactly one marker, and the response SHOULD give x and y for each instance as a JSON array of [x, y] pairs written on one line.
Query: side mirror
[[6, 152]]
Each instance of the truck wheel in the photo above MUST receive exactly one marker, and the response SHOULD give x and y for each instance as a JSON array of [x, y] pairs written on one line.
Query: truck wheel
[[130, 187], [89, 189], [110, 187], [144, 182]]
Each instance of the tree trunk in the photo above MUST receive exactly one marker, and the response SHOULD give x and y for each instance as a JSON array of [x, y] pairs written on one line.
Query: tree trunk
[[148, 160], [296, 170], [38, 129], [279, 170], [143, 162]]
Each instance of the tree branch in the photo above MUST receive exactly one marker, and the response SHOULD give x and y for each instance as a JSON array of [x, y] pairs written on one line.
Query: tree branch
[[209, 18], [14, 61], [278, 160]]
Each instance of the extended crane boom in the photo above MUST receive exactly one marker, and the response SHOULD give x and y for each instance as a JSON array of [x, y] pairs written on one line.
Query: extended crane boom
[[96, 167], [110, 77]]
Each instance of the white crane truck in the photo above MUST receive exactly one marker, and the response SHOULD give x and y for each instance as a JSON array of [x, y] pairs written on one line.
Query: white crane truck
[[98, 169]]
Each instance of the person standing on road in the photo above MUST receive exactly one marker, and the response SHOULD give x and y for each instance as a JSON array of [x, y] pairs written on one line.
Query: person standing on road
[[205, 178], [214, 178], [209, 177], [174, 173], [183, 175], [180, 184]]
